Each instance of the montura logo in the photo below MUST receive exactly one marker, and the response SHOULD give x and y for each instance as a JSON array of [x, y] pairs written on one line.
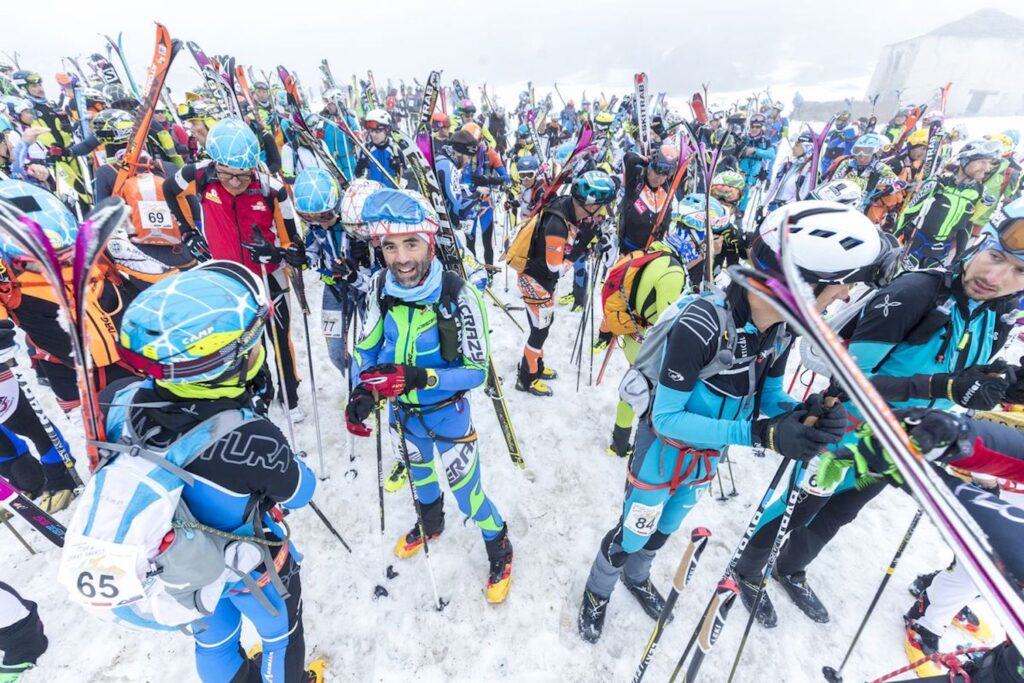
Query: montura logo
[[886, 304]]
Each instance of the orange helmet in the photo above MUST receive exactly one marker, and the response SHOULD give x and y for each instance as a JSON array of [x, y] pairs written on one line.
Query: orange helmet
[[474, 130], [439, 120]]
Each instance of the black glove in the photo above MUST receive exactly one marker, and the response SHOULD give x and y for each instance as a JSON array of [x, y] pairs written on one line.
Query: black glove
[[360, 405], [833, 420], [196, 244], [979, 387], [937, 433], [264, 252], [1015, 392], [512, 205], [787, 435], [359, 251], [345, 270], [8, 347], [295, 255]]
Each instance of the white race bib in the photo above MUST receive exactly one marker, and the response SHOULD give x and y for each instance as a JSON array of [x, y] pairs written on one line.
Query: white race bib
[[101, 573], [154, 215], [330, 321], [641, 519]]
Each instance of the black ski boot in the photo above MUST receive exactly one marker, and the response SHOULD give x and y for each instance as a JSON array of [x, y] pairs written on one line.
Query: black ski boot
[[647, 595], [531, 382], [499, 576], [921, 583], [591, 618], [621, 442], [766, 615], [803, 595]]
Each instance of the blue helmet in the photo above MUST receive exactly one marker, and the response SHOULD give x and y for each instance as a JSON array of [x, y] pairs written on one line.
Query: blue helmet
[[563, 151], [1013, 134], [231, 143], [523, 131], [316, 191], [871, 141], [528, 163], [399, 212], [195, 326], [56, 220], [593, 187]]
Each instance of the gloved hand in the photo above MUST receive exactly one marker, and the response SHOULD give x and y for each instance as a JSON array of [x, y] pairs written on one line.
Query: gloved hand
[[979, 387], [345, 270], [55, 151], [1015, 392], [833, 419], [787, 435], [8, 346], [360, 405], [295, 255], [359, 250], [937, 433], [196, 244], [391, 380], [264, 252], [512, 205]]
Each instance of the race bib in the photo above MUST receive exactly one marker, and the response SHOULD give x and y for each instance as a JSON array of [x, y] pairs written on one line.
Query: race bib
[[100, 573], [641, 519], [154, 215], [330, 321]]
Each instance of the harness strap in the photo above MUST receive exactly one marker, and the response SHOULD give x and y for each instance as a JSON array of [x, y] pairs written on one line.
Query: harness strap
[[685, 451]]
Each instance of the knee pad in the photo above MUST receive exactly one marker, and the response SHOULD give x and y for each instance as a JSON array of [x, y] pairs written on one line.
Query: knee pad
[[611, 548]]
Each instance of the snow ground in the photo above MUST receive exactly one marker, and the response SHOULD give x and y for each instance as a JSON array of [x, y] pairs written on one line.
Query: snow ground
[[557, 510]]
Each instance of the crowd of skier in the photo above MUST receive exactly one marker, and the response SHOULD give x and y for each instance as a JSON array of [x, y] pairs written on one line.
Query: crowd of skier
[[173, 339]]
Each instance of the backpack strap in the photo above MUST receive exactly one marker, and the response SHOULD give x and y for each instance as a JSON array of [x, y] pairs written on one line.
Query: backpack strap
[[652, 293]]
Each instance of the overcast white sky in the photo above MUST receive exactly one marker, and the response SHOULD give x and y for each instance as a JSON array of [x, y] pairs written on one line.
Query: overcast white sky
[[735, 44]]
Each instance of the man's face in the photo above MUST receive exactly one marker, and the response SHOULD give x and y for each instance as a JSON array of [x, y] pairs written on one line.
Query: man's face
[[234, 180], [408, 258], [655, 179], [917, 152], [992, 274], [379, 136], [527, 178], [261, 95], [977, 169], [37, 90]]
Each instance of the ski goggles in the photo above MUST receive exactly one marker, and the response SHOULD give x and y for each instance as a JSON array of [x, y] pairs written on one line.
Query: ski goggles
[[725, 193], [863, 151], [527, 175], [663, 167], [227, 357], [1007, 226], [376, 125], [325, 218]]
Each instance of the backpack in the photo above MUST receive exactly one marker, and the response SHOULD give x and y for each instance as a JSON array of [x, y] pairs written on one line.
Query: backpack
[[638, 385], [518, 253], [134, 553], [446, 308], [622, 315]]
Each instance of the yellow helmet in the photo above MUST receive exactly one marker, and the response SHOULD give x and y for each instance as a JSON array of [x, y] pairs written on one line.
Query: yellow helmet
[[918, 137], [1005, 140]]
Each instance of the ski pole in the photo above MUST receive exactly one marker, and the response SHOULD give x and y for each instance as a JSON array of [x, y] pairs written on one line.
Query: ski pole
[[327, 523], [836, 675], [720, 603], [607, 356], [773, 556], [275, 342], [732, 479], [379, 590], [721, 489], [300, 295], [21, 539], [687, 565], [403, 449]]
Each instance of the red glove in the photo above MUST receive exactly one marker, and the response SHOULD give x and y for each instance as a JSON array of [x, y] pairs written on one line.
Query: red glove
[[392, 380]]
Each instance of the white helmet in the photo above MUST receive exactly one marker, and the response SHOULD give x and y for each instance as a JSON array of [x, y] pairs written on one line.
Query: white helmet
[[840, 190], [352, 202], [832, 243], [379, 117]]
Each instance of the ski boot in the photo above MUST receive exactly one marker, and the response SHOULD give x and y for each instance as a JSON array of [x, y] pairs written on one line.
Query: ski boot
[[590, 621], [314, 670], [397, 478], [531, 383], [766, 614], [647, 595], [969, 622], [59, 490], [918, 644], [544, 372], [12, 673], [604, 340], [802, 594], [433, 523], [921, 583], [620, 445], [567, 299], [499, 576]]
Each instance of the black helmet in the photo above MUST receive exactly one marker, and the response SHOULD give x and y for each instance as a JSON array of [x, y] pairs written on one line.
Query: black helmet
[[120, 98]]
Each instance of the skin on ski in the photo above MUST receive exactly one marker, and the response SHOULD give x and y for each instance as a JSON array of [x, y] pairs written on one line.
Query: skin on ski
[[17, 503]]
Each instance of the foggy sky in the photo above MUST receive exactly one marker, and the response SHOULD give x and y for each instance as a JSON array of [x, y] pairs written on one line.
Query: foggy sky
[[680, 43]]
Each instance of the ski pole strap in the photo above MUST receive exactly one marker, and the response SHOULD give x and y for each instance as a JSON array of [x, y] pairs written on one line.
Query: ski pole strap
[[947, 659], [686, 453]]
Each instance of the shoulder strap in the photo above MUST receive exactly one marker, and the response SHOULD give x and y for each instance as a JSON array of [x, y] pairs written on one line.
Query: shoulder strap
[[727, 330]]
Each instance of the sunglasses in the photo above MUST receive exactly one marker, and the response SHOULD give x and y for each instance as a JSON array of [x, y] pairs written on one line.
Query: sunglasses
[[663, 169]]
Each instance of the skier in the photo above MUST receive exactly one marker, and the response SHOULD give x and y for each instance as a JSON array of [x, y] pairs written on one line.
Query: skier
[[792, 179], [645, 197], [560, 236], [240, 203], [425, 346], [485, 173], [528, 186], [894, 129], [882, 194], [450, 163], [928, 338], [22, 639], [756, 155], [496, 128], [1002, 183], [196, 337], [936, 224], [704, 402], [342, 258], [378, 123], [778, 125]]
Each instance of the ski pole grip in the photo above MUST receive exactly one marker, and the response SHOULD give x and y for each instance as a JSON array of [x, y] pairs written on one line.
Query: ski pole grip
[[812, 419]]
